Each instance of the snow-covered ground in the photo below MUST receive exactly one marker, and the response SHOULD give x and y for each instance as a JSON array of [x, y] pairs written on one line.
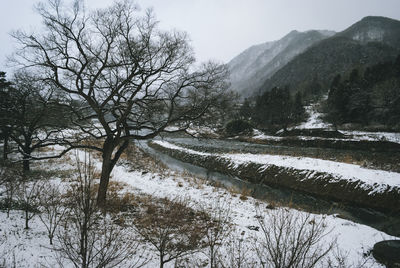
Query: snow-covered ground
[[314, 119], [259, 135], [373, 136], [349, 136], [30, 247], [24, 248], [379, 180], [354, 239]]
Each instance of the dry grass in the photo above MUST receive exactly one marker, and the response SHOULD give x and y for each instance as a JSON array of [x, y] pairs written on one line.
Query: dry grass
[[136, 159], [196, 183], [243, 193], [93, 142], [243, 197], [347, 159], [45, 149]]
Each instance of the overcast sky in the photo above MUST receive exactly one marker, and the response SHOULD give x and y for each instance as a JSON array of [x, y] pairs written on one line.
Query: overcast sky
[[221, 29]]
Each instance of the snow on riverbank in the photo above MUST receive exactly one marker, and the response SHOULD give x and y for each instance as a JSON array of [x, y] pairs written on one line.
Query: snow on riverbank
[[353, 239], [30, 247], [259, 135], [373, 136], [379, 180], [350, 136]]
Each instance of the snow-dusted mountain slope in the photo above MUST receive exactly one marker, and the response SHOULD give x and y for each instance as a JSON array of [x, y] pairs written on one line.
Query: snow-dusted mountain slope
[[253, 66]]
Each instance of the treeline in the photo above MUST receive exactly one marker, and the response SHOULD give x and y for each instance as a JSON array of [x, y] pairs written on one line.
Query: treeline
[[278, 108], [273, 110], [367, 96]]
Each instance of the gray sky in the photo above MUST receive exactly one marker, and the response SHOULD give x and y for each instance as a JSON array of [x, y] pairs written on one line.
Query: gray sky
[[221, 29]]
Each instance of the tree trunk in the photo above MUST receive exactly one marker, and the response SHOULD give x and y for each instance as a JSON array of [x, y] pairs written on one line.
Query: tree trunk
[[5, 147], [26, 219], [27, 154], [107, 166], [8, 206], [106, 169], [26, 163], [212, 257], [83, 246]]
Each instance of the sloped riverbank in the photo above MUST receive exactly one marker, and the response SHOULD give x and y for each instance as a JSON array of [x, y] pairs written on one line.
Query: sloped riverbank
[[369, 188]]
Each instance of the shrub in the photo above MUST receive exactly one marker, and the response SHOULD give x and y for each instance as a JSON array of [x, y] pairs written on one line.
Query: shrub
[[172, 227], [292, 239], [238, 126]]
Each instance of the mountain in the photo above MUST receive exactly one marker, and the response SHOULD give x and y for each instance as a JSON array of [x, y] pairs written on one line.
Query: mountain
[[367, 42], [249, 69], [374, 29]]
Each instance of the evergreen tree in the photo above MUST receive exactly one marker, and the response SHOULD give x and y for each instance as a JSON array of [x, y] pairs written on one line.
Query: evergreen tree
[[364, 98], [336, 101], [5, 107], [277, 108], [298, 107], [246, 111]]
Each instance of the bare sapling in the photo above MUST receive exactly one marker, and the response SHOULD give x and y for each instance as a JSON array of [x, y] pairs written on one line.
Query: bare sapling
[[218, 228], [28, 198], [52, 208], [173, 228], [292, 239], [88, 237]]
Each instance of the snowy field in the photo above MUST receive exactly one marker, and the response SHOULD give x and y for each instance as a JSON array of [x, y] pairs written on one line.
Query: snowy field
[[29, 248]]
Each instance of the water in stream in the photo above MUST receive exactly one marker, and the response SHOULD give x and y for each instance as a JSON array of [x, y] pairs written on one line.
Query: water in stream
[[286, 197]]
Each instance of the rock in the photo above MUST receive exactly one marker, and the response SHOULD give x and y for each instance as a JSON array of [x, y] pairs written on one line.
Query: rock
[[253, 228], [387, 252]]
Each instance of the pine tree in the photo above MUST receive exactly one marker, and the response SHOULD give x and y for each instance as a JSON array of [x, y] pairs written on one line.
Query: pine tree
[[298, 108], [5, 106], [246, 111]]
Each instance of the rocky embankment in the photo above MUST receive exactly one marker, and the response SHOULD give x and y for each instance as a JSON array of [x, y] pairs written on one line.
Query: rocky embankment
[[321, 184]]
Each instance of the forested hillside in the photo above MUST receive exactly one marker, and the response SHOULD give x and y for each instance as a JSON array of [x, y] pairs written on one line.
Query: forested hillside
[[368, 95], [367, 42]]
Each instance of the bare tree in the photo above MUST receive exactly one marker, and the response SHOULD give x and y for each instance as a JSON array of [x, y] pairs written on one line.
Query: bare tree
[[10, 178], [340, 259], [218, 228], [171, 227], [133, 78], [291, 239], [87, 237], [52, 208], [238, 253], [28, 197], [35, 115]]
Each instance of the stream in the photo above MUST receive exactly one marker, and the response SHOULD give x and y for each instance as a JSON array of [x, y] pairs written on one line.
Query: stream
[[389, 224]]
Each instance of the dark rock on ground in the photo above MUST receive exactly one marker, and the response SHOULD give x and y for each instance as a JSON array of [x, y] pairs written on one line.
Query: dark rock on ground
[[388, 253]]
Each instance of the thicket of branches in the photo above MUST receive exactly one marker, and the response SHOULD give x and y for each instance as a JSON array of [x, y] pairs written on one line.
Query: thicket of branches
[[84, 235], [31, 116], [132, 79]]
